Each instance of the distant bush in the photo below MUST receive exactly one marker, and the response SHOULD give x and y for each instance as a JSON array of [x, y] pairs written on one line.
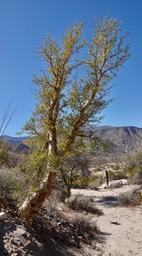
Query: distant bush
[[87, 182], [130, 198], [84, 203], [134, 169], [117, 175]]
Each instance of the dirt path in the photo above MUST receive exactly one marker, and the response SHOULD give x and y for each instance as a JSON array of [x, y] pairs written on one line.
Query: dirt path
[[122, 226]]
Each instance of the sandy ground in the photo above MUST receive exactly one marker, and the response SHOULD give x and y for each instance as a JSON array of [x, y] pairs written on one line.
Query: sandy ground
[[121, 226]]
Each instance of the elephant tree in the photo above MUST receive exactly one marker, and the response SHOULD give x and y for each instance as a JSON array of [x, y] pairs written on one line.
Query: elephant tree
[[70, 94]]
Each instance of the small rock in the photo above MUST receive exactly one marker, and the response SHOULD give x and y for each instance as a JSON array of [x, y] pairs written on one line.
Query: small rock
[[20, 231], [3, 216]]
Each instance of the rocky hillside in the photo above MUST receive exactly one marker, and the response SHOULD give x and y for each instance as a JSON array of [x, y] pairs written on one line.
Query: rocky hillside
[[124, 140], [16, 148]]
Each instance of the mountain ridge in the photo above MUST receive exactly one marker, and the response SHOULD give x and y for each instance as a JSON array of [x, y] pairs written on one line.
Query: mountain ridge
[[122, 139], [126, 139], [13, 140]]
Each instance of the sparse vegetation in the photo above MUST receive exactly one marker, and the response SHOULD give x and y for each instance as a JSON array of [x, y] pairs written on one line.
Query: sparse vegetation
[[67, 227], [92, 182], [131, 199], [116, 175], [84, 203], [133, 169], [3, 153]]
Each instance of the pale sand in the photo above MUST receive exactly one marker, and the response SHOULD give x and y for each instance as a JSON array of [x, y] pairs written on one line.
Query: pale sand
[[124, 239]]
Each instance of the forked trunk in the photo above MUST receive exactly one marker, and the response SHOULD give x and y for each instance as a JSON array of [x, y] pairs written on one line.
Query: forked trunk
[[33, 203]]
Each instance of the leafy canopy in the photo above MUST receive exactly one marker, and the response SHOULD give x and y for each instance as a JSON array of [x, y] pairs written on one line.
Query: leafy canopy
[[72, 89]]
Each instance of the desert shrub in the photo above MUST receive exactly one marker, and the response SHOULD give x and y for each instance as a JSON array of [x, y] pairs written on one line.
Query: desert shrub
[[87, 182], [136, 178], [12, 186], [86, 230], [133, 169], [116, 175], [3, 153], [130, 198], [95, 183], [83, 203]]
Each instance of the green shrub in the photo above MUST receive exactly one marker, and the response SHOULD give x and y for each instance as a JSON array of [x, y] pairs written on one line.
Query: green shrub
[[12, 186], [87, 182], [3, 153], [116, 175]]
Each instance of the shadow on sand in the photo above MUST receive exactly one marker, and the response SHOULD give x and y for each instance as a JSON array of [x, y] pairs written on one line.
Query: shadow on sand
[[108, 201]]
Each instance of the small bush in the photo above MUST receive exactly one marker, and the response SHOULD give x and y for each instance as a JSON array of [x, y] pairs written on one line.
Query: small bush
[[95, 183], [136, 178], [12, 186], [86, 230], [130, 198], [87, 182], [133, 169], [84, 203], [116, 175]]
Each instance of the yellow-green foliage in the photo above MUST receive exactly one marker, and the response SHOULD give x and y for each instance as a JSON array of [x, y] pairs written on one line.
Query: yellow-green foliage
[[140, 196], [33, 166], [67, 104], [113, 175], [13, 185], [85, 182]]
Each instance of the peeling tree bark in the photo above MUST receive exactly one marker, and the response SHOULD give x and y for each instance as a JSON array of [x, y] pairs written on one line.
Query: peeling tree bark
[[33, 203]]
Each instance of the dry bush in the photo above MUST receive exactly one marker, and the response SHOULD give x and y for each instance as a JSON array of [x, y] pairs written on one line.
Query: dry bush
[[133, 168], [85, 229], [84, 203], [130, 198], [136, 178], [94, 184]]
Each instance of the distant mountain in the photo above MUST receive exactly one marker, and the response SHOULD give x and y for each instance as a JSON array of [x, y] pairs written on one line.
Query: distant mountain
[[124, 140], [19, 148], [121, 140], [13, 140]]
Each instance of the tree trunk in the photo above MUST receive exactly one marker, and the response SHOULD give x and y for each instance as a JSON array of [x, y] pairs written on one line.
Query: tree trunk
[[33, 203]]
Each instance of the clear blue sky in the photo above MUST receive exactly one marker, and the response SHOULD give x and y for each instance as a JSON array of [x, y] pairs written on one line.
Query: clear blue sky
[[24, 25]]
